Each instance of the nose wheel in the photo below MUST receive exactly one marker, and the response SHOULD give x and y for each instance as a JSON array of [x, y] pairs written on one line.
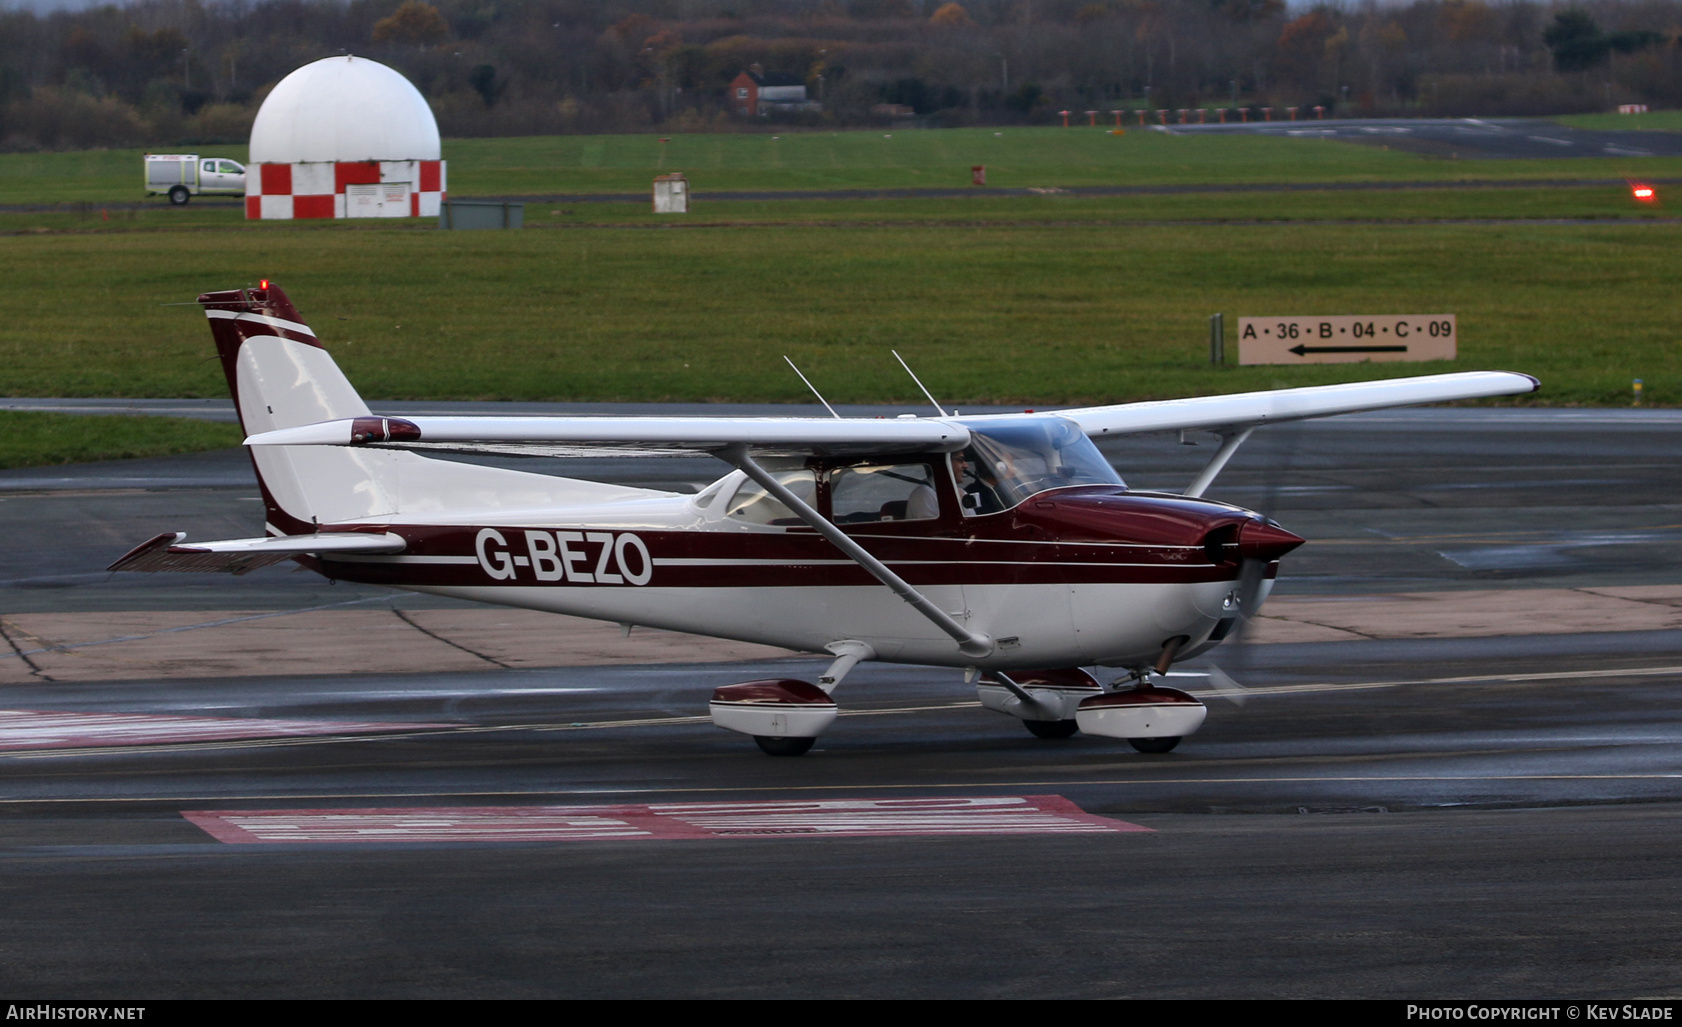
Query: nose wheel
[[1051, 728], [1155, 744], [774, 746]]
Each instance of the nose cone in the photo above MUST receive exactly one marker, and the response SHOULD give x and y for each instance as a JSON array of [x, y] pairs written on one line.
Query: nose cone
[[1264, 540]]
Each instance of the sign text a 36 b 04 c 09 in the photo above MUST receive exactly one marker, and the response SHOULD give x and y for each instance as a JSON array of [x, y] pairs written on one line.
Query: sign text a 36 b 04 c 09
[[1347, 339]]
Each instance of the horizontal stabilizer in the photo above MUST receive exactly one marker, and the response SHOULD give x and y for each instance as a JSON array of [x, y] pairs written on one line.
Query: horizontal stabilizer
[[243, 555]]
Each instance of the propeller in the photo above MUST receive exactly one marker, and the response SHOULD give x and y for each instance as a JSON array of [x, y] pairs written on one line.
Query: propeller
[[1259, 543]]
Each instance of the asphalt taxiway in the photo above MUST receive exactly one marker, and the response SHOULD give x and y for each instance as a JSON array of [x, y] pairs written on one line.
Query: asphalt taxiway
[[1443, 813]]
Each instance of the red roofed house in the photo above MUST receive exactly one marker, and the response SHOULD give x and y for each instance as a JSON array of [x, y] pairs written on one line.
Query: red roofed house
[[756, 93]]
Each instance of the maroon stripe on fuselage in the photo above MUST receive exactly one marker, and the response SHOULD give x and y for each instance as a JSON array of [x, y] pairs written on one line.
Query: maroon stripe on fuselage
[[714, 559], [1069, 536]]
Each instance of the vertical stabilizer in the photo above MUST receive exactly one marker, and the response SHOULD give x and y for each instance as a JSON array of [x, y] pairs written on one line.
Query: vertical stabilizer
[[281, 377]]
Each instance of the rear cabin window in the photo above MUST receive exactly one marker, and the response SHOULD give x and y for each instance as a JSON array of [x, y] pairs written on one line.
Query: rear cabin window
[[755, 506], [883, 492]]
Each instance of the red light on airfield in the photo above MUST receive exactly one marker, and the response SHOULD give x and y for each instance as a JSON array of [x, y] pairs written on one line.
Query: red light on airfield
[[1643, 193]]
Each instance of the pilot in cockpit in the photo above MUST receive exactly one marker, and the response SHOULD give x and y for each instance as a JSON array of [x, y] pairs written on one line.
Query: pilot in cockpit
[[978, 487]]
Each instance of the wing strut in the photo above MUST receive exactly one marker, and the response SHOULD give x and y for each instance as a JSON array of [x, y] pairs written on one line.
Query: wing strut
[[969, 643], [1230, 441]]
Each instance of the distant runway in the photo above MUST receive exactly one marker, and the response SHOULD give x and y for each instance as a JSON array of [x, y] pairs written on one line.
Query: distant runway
[[1515, 138], [1460, 815]]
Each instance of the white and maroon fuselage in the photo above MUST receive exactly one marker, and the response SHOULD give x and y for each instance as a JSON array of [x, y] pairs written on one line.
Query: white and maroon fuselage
[[1073, 576]]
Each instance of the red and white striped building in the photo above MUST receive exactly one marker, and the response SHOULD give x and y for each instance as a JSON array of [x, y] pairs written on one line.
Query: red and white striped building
[[344, 137]]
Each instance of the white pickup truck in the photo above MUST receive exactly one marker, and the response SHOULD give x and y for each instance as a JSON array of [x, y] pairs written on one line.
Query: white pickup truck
[[181, 176]]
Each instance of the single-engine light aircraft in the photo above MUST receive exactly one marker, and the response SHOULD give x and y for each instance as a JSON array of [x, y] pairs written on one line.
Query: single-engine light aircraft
[[1002, 545]]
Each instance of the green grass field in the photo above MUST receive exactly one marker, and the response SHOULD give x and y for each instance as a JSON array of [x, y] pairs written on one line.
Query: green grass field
[[1015, 313], [1035, 299], [906, 158], [30, 439]]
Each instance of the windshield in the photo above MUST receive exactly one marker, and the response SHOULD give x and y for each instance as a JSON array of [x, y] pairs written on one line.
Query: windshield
[[1009, 460]]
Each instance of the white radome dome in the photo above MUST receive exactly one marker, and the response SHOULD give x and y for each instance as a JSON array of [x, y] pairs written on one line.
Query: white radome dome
[[344, 109]]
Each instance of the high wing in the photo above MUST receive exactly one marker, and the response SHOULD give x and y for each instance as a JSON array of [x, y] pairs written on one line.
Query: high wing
[[243, 555], [568, 436], [794, 436], [1236, 412]]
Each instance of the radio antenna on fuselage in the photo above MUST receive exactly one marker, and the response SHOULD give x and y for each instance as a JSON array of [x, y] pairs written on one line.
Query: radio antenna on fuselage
[[937, 407], [814, 389]]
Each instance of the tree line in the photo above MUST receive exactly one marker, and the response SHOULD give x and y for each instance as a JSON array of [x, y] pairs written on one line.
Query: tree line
[[165, 72]]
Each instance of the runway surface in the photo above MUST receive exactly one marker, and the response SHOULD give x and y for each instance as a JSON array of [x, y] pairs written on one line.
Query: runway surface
[[1515, 138], [1449, 815]]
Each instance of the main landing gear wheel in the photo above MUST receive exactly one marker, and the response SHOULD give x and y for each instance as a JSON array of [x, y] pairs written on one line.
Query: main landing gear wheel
[[1154, 744], [788, 746], [1052, 728], [179, 196]]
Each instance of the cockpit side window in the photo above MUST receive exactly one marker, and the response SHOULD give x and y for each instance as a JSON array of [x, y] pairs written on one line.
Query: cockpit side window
[[754, 505], [883, 492], [1009, 460]]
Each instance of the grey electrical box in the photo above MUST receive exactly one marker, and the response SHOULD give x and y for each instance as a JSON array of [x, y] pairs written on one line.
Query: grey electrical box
[[481, 214]]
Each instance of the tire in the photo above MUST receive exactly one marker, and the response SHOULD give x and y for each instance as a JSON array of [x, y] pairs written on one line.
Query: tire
[[783, 746], [178, 195], [1154, 744], [1051, 728]]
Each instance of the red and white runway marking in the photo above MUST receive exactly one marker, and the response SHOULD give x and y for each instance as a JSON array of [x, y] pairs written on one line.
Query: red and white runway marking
[[831, 818], [45, 729]]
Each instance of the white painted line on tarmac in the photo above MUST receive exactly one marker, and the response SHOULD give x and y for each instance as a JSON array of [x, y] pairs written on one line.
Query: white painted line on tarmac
[[1470, 679], [411, 796], [338, 732], [34, 730], [828, 818]]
